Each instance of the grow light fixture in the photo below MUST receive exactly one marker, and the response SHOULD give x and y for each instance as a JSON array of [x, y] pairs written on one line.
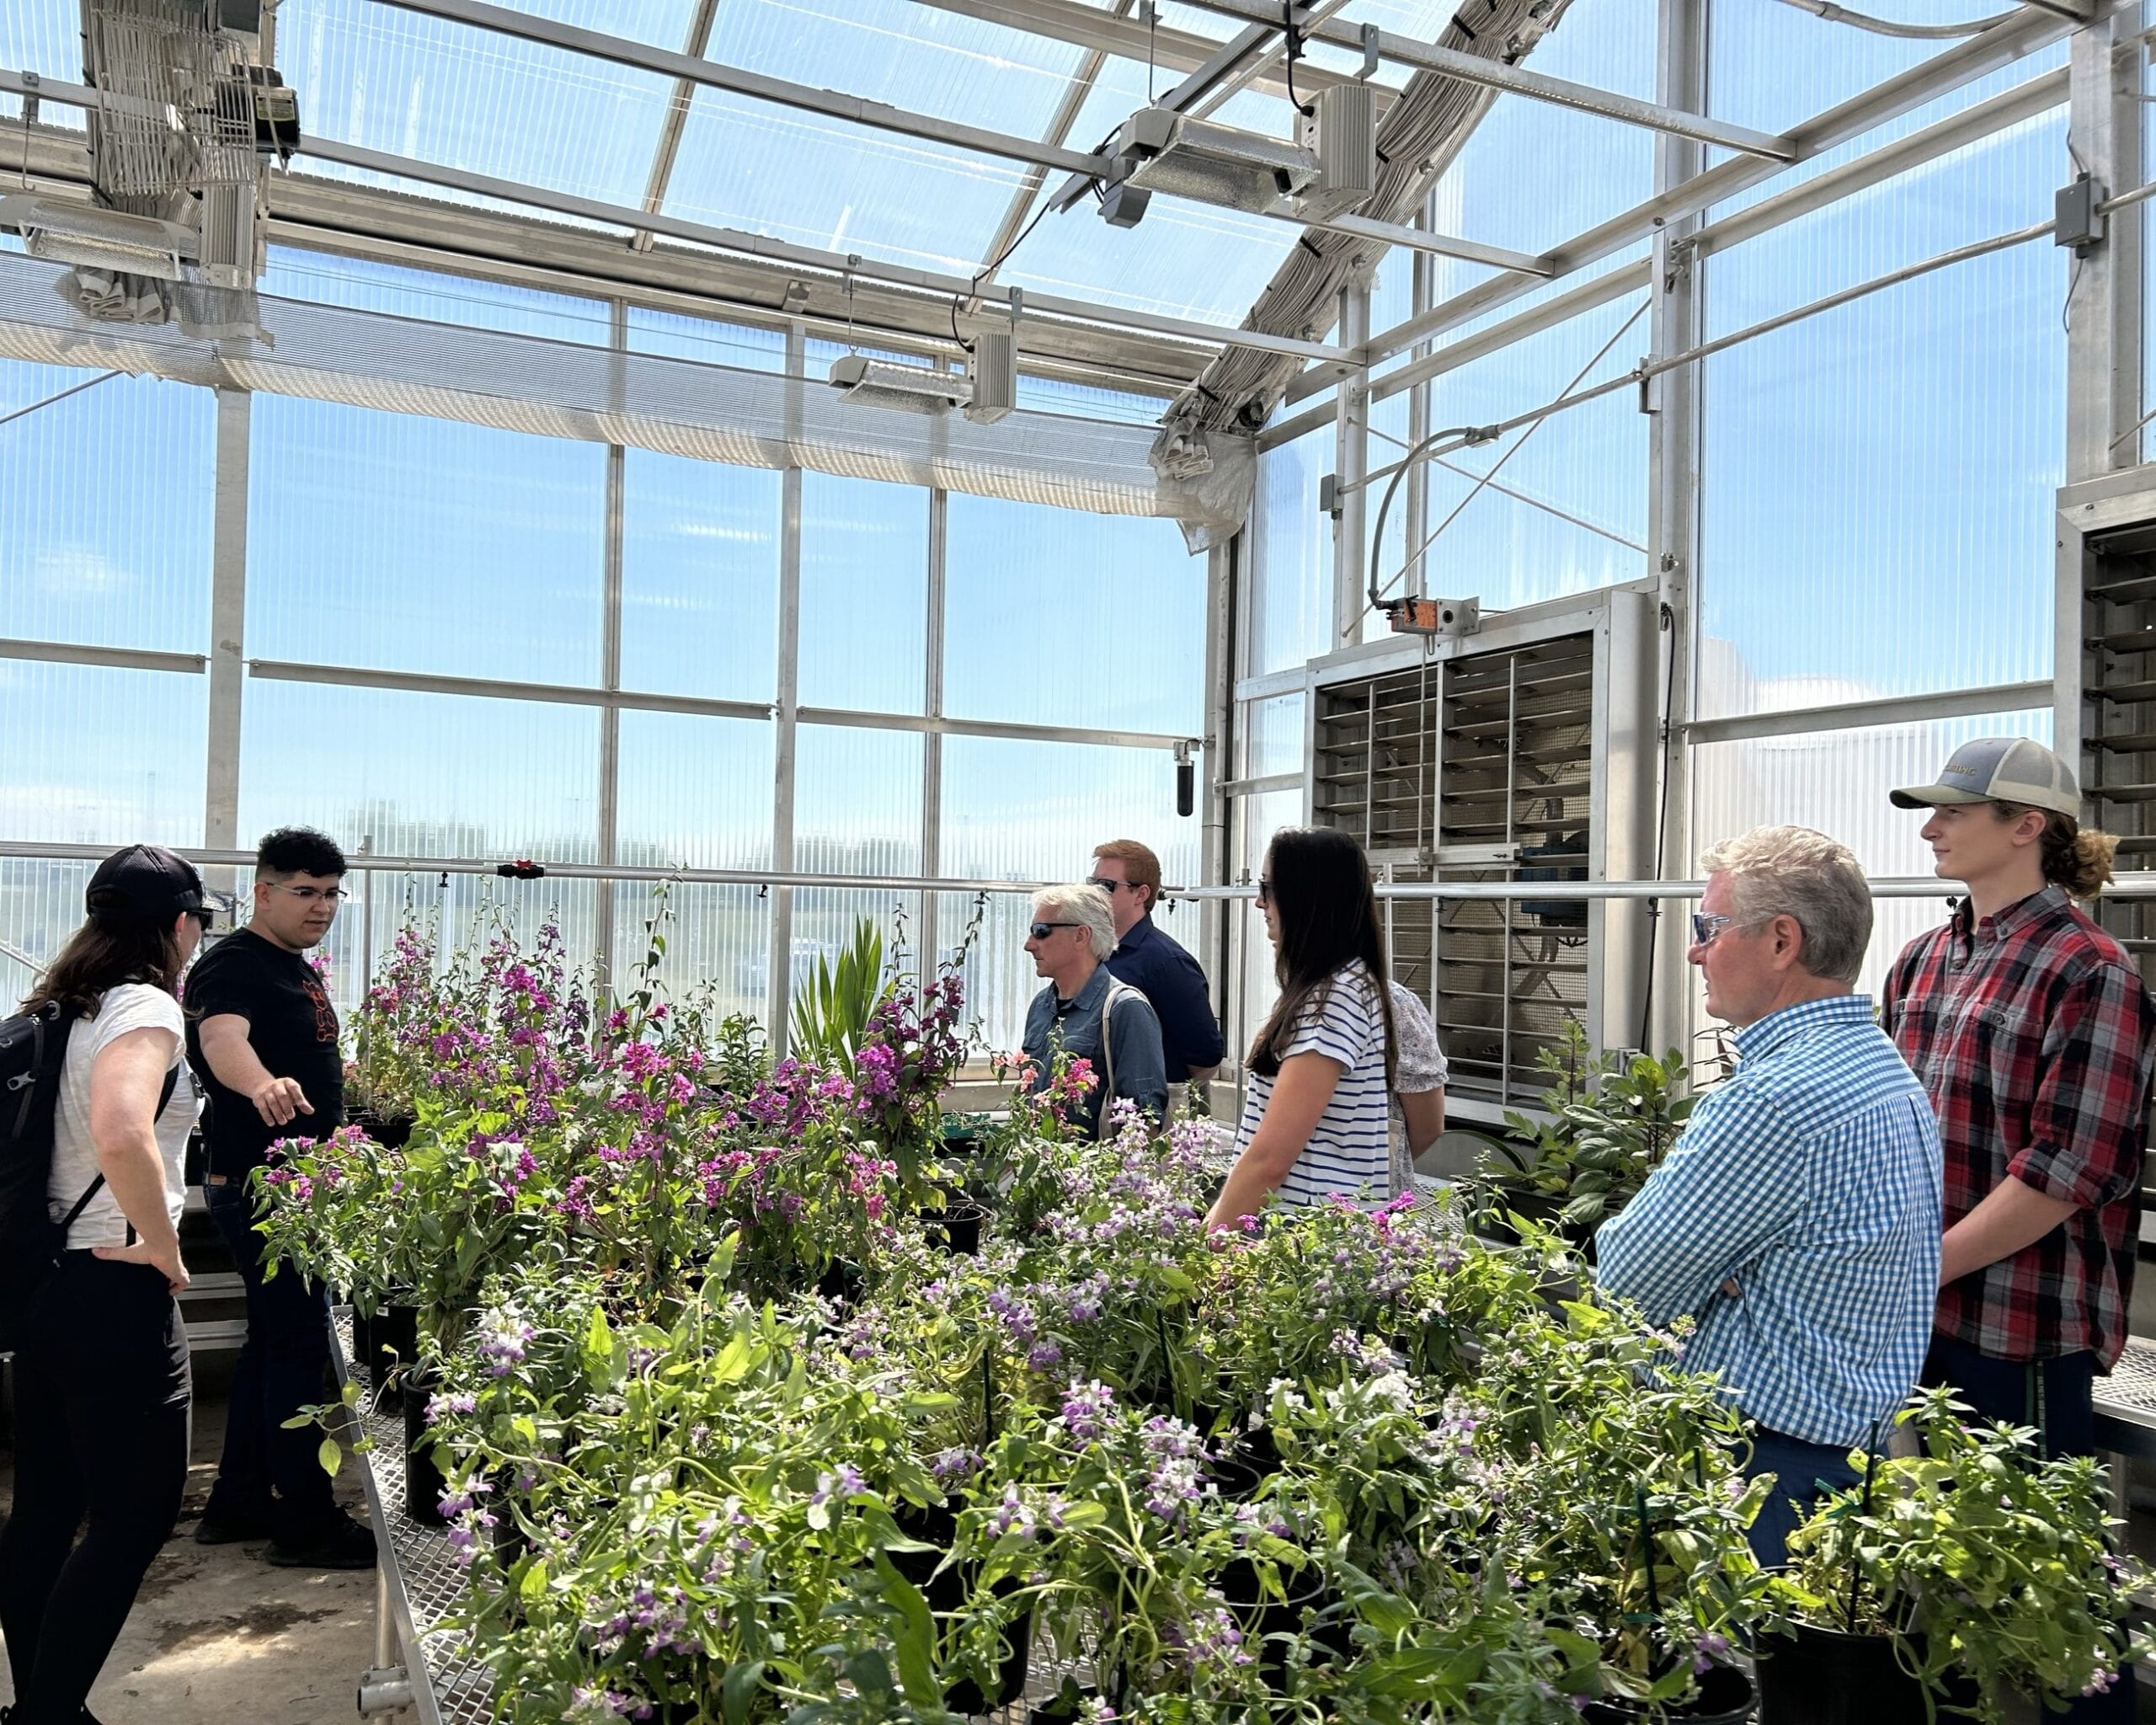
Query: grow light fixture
[[1161, 150], [886, 383], [95, 238]]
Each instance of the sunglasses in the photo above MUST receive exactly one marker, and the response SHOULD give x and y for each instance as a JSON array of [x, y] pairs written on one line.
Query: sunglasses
[[1705, 929], [1264, 892], [1108, 886], [1040, 929]]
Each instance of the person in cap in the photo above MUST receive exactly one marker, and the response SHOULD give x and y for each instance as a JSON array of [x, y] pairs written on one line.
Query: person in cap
[[102, 1384], [1797, 1219], [263, 1039], [2034, 1036], [1156, 964]]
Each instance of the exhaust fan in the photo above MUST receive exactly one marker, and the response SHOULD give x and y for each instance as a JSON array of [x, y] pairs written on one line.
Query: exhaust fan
[[886, 383], [97, 238], [1165, 151]]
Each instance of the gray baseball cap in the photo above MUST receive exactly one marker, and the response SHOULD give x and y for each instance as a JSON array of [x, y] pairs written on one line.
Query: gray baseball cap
[[1999, 770]]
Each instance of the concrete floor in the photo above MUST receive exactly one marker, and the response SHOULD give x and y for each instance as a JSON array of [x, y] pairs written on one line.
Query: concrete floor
[[220, 1637]]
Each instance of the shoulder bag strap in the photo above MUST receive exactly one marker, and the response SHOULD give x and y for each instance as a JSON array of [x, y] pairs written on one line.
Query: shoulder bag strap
[[82, 1203], [1107, 1061]]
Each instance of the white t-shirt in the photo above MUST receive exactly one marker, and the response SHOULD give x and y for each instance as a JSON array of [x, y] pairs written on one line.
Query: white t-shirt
[[131, 1006], [1348, 1149], [1418, 1064]]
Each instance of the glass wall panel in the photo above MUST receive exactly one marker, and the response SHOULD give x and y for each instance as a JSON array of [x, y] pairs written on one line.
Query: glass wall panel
[[864, 595], [404, 543], [699, 556], [1055, 617], [1034, 811], [97, 756], [856, 801], [1291, 563], [1876, 481], [1273, 736], [1836, 782], [697, 792], [466, 909], [105, 504], [1564, 507], [425, 775], [40, 905]]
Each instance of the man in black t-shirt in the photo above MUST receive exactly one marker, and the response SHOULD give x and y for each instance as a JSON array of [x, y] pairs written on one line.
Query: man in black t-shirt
[[262, 1038]]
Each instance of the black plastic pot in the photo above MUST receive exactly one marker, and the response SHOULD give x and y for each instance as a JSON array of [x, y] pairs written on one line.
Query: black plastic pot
[[1726, 1697], [1262, 1616], [956, 1229], [965, 1696], [423, 1484], [390, 1131], [947, 1588], [393, 1346], [1815, 1676]]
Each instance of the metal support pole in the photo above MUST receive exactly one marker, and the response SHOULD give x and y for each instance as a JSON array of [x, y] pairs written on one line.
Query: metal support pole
[[228, 632], [1351, 461], [787, 714], [1672, 404], [1421, 295], [610, 678], [931, 745], [2103, 376], [1213, 769]]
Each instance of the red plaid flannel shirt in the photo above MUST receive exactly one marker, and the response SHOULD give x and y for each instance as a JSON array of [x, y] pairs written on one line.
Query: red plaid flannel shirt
[[2034, 1038]]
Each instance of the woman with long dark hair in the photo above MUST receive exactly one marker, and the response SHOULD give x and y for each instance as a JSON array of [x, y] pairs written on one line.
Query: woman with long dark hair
[[1318, 1090], [102, 1388]]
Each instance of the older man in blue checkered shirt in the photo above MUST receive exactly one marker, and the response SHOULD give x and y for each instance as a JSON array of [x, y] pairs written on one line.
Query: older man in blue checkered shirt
[[1798, 1220]]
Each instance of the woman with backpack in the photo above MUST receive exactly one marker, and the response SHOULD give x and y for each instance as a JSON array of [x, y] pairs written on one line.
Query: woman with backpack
[[102, 1387], [1316, 1105]]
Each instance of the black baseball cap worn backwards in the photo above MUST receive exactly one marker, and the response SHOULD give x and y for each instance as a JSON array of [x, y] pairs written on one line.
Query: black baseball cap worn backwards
[[147, 881]]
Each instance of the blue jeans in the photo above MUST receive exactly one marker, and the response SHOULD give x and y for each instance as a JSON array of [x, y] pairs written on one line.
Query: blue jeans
[[2056, 1395], [1803, 1474], [283, 1366]]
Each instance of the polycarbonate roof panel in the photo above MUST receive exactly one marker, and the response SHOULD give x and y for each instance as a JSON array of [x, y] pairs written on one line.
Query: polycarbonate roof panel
[[445, 93]]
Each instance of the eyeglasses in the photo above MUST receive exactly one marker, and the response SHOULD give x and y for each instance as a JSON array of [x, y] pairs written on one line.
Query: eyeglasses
[[311, 894], [1264, 892], [1707, 929], [1040, 929], [1109, 886]]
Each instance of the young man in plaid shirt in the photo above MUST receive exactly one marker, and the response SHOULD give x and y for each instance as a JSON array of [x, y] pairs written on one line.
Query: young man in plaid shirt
[[2033, 1034]]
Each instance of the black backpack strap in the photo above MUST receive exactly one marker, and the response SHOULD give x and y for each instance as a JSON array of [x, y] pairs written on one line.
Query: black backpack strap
[[82, 1203]]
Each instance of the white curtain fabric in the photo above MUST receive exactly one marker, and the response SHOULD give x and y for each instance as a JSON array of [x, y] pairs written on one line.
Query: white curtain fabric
[[554, 389]]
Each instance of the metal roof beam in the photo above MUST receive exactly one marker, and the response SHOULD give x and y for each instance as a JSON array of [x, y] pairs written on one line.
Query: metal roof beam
[[2029, 29], [1085, 26], [523, 249], [667, 63], [1496, 74], [676, 122], [759, 245]]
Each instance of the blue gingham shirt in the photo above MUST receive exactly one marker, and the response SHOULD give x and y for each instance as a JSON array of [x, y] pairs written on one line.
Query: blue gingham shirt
[[1811, 1178]]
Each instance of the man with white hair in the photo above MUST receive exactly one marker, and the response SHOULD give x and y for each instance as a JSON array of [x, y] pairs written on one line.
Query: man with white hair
[[1796, 1219], [1086, 1014]]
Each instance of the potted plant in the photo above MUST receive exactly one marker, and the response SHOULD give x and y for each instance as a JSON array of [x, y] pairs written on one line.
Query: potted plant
[[1970, 1572]]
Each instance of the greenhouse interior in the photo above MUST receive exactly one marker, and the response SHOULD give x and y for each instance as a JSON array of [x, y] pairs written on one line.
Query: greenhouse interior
[[1201, 861]]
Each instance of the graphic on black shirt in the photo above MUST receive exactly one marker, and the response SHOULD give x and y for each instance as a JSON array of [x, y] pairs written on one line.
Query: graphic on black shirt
[[292, 1027]]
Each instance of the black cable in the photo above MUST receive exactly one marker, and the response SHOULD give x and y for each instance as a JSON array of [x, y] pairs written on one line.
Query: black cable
[[1295, 47], [1474, 434], [1668, 622], [991, 267]]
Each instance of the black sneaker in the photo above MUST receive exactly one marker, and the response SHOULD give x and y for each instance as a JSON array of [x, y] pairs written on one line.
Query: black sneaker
[[221, 1527], [342, 1544]]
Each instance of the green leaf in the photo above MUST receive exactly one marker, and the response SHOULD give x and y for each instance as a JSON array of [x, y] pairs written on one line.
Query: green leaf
[[916, 1639], [296, 1422], [330, 1456], [534, 1583], [738, 1690], [733, 1361]]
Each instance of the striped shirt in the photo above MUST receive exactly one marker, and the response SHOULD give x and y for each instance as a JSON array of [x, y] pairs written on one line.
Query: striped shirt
[[1812, 1179], [1348, 1151]]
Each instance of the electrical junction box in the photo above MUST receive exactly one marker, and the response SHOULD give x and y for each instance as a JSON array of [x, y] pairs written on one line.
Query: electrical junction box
[[1434, 617]]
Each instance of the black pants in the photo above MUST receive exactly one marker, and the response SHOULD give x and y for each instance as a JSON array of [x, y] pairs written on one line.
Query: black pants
[[2056, 1397], [283, 1366], [102, 1398]]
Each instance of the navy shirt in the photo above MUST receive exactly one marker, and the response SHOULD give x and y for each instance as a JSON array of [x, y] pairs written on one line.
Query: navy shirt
[[1055, 1025], [1158, 968]]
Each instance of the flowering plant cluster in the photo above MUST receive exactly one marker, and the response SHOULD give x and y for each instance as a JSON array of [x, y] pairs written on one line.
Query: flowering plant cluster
[[736, 1425]]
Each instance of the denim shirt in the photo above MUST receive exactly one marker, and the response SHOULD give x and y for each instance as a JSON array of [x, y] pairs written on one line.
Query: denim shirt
[[1073, 1026]]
